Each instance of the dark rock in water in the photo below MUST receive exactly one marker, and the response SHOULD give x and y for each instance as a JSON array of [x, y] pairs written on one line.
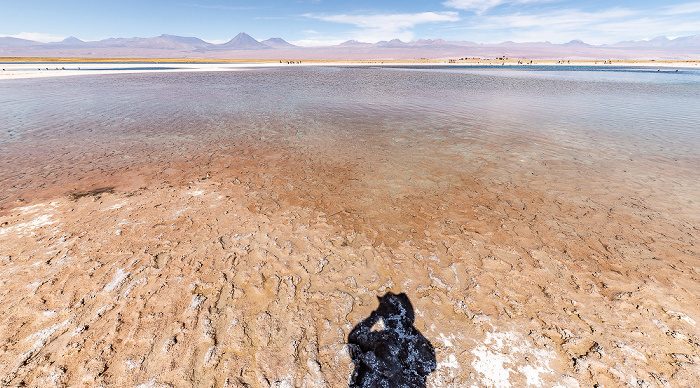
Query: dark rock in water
[[398, 356]]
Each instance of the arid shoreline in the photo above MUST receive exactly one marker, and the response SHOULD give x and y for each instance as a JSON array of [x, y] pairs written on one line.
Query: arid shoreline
[[245, 257]]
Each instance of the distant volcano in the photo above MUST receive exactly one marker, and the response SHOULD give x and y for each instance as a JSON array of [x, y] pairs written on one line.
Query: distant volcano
[[277, 43], [71, 41], [243, 41]]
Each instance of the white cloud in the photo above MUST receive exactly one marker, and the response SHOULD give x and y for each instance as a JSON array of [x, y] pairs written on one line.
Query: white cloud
[[480, 6], [390, 21], [374, 28], [37, 36], [681, 9], [568, 19], [216, 41], [604, 26]]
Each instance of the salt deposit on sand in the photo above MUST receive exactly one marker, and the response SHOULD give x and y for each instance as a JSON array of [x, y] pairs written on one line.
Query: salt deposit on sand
[[61, 69], [54, 69]]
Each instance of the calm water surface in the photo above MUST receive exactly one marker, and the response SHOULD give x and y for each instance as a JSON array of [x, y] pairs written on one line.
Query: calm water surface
[[593, 116]]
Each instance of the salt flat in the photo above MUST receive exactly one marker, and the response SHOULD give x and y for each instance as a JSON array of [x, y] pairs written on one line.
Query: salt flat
[[39, 69]]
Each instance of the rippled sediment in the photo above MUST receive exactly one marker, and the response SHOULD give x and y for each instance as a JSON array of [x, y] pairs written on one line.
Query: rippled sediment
[[255, 216]]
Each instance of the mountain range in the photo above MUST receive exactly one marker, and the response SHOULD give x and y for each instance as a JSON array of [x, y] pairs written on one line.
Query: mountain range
[[243, 46]]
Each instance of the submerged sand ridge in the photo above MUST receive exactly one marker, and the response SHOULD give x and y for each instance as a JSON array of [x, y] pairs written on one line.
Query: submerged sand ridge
[[247, 258]]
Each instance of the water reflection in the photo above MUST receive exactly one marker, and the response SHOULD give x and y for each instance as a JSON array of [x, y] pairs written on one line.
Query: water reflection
[[66, 129], [397, 356]]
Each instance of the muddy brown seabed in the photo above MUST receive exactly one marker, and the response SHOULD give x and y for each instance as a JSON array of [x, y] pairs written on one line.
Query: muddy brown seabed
[[247, 259]]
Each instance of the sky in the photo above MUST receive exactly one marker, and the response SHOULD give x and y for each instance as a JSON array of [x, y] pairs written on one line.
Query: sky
[[326, 22]]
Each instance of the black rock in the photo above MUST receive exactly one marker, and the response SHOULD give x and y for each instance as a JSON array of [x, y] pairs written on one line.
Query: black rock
[[398, 356]]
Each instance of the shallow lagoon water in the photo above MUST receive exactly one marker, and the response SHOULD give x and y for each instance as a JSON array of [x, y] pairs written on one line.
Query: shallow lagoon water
[[60, 134], [543, 223]]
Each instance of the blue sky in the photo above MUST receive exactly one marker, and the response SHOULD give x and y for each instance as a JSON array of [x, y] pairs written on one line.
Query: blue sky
[[322, 22]]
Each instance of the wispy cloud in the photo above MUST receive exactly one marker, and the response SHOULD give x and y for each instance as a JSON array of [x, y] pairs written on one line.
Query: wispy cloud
[[569, 19], [389, 21], [37, 36], [480, 6], [215, 41], [603, 26], [681, 9], [386, 26]]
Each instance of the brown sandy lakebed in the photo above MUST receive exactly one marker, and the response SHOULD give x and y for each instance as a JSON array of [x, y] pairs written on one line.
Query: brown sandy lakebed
[[245, 258]]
